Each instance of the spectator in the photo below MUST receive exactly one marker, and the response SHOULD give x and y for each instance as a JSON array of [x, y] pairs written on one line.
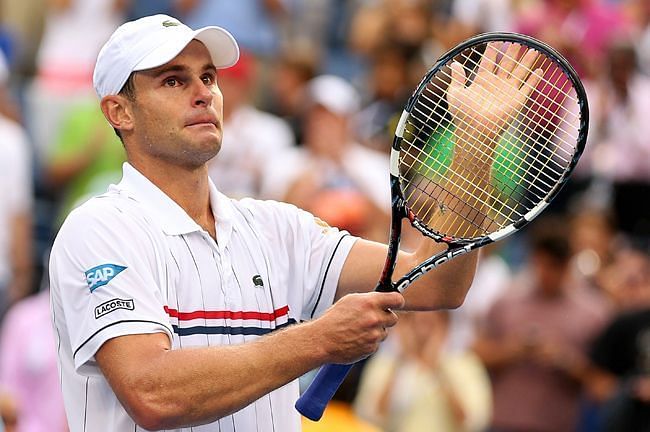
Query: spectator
[[331, 175], [621, 353], [620, 151], [535, 341], [251, 136], [594, 242], [389, 87], [28, 371], [255, 24], [291, 73], [15, 203], [74, 33], [417, 384], [580, 29], [493, 276], [23, 23], [84, 159]]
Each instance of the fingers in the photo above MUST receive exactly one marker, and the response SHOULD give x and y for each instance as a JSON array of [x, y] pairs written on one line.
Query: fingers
[[509, 60], [530, 83], [525, 66], [489, 59], [458, 77]]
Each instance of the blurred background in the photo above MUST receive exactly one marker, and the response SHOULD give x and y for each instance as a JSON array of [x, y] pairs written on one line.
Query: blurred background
[[555, 332]]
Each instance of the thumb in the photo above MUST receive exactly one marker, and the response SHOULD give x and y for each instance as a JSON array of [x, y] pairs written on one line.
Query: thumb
[[390, 300]]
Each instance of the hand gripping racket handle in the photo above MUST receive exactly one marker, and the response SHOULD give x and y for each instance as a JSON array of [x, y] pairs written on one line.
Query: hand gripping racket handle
[[313, 401]]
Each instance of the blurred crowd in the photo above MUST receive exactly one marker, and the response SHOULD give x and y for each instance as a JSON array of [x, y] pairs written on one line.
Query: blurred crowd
[[555, 332]]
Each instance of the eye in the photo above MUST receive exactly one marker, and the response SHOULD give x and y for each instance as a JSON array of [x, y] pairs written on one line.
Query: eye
[[171, 82], [208, 79]]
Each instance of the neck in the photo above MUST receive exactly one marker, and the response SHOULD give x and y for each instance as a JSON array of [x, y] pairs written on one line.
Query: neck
[[187, 187]]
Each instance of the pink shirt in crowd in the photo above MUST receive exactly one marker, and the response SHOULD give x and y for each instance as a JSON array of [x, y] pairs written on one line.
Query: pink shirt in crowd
[[28, 370]]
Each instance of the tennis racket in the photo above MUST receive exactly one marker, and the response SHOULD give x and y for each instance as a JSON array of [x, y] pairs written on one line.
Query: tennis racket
[[488, 138]]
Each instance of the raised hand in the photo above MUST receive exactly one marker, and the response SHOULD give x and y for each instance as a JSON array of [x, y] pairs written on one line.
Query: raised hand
[[498, 92]]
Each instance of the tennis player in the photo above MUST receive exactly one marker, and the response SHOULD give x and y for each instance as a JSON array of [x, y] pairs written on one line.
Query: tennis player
[[178, 308]]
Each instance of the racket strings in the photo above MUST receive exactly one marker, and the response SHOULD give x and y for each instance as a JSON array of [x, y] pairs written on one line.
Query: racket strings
[[479, 150], [544, 119], [559, 75], [556, 74], [480, 132], [530, 117]]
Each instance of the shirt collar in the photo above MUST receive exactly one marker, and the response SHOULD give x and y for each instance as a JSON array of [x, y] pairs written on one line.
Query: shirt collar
[[172, 218]]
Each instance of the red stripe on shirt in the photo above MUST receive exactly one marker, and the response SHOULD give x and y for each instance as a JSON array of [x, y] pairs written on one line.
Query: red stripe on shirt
[[262, 316]]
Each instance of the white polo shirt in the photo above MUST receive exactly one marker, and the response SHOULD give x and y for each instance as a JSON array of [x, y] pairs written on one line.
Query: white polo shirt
[[132, 261]]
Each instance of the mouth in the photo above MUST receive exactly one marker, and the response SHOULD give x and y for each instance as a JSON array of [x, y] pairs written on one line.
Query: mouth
[[203, 122]]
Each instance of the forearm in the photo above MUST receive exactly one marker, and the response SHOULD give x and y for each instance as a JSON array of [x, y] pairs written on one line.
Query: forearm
[[143, 371], [217, 380], [444, 287]]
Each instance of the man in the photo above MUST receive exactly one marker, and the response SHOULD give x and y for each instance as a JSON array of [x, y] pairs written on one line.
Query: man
[[165, 293], [16, 201], [251, 135], [331, 175], [621, 352], [535, 340]]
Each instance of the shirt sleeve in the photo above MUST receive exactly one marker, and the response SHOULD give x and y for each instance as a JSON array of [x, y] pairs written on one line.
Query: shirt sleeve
[[328, 248], [106, 274]]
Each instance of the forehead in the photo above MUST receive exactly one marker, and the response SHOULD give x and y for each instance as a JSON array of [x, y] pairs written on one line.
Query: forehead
[[194, 55]]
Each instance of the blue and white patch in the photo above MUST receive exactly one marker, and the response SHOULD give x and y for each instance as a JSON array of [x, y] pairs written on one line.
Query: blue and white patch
[[101, 275]]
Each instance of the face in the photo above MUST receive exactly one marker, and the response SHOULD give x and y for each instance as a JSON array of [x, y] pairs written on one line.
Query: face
[[325, 132], [549, 273], [178, 109]]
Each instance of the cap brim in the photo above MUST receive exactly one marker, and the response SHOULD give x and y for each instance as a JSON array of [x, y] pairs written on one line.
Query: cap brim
[[220, 44]]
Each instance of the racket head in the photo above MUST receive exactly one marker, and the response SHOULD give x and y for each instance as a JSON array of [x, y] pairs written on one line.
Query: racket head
[[529, 162]]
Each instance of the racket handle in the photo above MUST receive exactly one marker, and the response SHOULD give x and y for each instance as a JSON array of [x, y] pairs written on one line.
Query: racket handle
[[314, 400]]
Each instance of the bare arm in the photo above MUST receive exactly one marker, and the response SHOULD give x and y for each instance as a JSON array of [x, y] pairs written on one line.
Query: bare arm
[[21, 256], [496, 353], [216, 381]]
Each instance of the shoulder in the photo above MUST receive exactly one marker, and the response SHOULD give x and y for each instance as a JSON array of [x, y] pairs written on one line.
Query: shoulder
[[269, 211], [283, 221], [110, 217]]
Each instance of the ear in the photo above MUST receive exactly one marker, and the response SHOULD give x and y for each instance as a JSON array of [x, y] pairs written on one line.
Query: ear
[[118, 112]]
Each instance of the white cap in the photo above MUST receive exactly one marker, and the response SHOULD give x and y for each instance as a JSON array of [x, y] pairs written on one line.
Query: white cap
[[4, 69], [335, 94], [152, 41]]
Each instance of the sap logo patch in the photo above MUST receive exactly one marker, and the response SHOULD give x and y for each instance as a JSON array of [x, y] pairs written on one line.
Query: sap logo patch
[[113, 305], [101, 275]]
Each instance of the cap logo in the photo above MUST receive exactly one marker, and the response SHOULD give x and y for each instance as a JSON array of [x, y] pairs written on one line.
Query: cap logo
[[169, 23]]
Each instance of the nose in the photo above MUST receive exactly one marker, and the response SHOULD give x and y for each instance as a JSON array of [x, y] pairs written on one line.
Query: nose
[[203, 94]]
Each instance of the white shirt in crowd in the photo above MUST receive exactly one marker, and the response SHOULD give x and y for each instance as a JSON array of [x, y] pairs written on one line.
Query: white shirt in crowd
[[251, 137], [132, 261], [366, 168], [16, 186]]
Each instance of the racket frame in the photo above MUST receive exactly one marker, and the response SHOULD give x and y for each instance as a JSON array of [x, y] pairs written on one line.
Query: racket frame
[[458, 246]]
